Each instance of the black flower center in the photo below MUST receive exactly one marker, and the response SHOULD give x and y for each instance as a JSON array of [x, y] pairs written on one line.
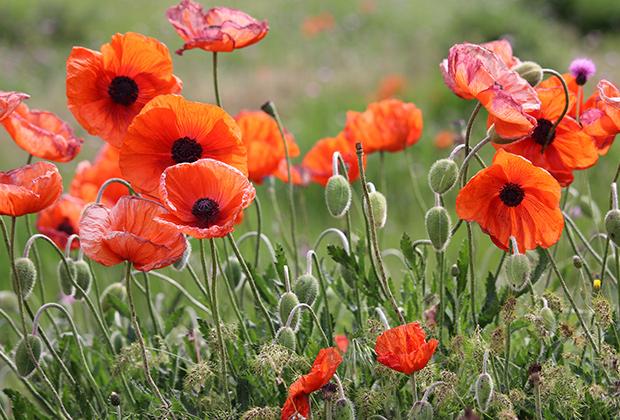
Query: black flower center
[[511, 194], [66, 227], [186, 150], [123, 90], [541, 132], [206, 210], [581, 78]]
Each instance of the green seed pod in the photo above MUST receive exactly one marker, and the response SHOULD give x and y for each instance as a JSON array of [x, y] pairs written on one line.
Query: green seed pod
[[8, 301], [378, 206], [179, 265], [421, 410], [438, 227], [286, 304], [338, 195], [530, 71], [118, 342], [548, 319], [612, 224], [286, 338], [232, 268], [343, 410], [23, 359], [26, 274], [117, 290], [484, 391], [443, 175], [518, 271], [306, 288], [64, 276], [83, 277]]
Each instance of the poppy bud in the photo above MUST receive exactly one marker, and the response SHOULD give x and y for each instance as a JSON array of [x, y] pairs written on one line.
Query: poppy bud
[[344, 410], [286, 304], [269, 108], [548, 318], [232, 268], [438, 227], [306, 288], [421, 410], [497, 139], [286, 338], [596, 284], [115, 399], [378, 206], [8, 301], [530, 71], [26, 275], [518, 271], [83, 277], [181, 263], [115, 291], [117, 341], [577, 262], [484, 391], [65, 277], [443, 175], [23, 359], [454, 270], [338, 195], [612, 224]]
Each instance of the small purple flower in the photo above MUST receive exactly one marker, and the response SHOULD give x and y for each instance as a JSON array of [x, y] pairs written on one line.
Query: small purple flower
[[582, 69]]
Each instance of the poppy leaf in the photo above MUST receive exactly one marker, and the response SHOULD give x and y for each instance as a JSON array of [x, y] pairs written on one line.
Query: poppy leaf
[[173, 319], [22, 407], [491, 303], [463, 265], [280, 260], [406, 246]]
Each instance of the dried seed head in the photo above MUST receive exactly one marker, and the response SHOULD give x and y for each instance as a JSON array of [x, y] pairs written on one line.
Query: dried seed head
[[26, 275], [338, 195]]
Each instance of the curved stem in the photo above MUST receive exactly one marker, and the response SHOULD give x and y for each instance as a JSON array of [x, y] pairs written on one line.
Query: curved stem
[[149, 304], [298, 307], [180, 288], [337, 232], [322, 282], [566, 103], [472, 153], [468, 129], [233, 302], [112, 181], [216, 89], [11, 323], [472, 273]]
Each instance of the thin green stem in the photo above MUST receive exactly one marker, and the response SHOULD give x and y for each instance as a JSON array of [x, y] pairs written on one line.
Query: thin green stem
[[468, 130], [442, 300], [259, 228], [216, 89], [149, 303], [472, 273]]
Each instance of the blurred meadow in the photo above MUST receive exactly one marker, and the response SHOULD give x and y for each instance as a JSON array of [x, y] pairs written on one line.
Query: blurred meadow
[[320, 59]]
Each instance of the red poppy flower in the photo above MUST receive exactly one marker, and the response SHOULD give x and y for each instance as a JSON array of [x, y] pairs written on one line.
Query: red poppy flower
[[89, 177], [205, 198], [569, 147], [107, 89], [512, 197], [390, 86], [342, 342], [9, 101], [29, 189], [318, 161], [323, 369], [61, 220], [445, 139], [503, 49], [389, 125], [42, 134], [129, 231], [219, 29], [172, 130], [299, 174], [601, 119], [573, 91], [263, 142], [474, 72], [314, 25], [405, 348]]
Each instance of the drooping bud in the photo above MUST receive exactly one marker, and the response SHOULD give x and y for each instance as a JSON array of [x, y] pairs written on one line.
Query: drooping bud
[[83, 277], [518, 271], [65, 277], [306, 288], [454, 270], [233, 271], [378, 207], [8, 301], [26, 275], [548, 318], [343, 410], [338, 195], [612, 224], [443, 175], [115, 399], [181, 263], [484, 391], [530, 71], [577, 262], [421, 410], [111, 294], [269, 108], [287, 302], [438, 227], [24, 361], [118, 342], [286, 338]]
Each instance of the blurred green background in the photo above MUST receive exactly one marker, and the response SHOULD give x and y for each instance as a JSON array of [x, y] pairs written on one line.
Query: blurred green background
[[314, 78]]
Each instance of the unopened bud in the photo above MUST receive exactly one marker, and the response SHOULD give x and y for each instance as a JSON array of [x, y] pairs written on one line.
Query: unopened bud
[[65, 277], [518, 271], [232, 268], [111, 294], [26, 275], [286, 338], [83, 277], [484, 391], [438, 227], [548, 318], [612, 224], [287, 302], [577, 262], [530, 71], [8, 301], [118, 342], [115, 399], [454, 270], [24, 361], [269, 108], [443, 175], [344, 410], [181, 263], [306, 288], [338, 195], [378, 206], [497, 139], [421, 410]]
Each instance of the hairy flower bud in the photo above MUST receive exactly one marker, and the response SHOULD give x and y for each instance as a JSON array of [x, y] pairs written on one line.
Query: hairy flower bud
[[546, 314], [338, 195], [378, 207], [23, 358], [443, 175], [65, 277], [612, 224], [233, 271], [306, 288], [438, 227], [286, 338], [8, 301], [530, 71], [287, 302], [118, 341], [484, 391], [343, 410], [83, 277], [26, 275], [421, 410], [454, 270], [111, 294], [518, 271]]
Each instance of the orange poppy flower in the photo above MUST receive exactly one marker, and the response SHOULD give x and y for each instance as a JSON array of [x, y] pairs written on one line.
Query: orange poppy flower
[[129, 231], [42, 134], [107, 89], [405, 348], [300, 175], [342, 342], [220, 29], [474, 72], [390, 86], [61, 220], [573, 91], [322, 371], [263, 142], [601, 119], [29, 189], [318, 161], [512, 197], [9, 101], [390, 125], [503, 49], [89, 177], [568, 149], [314, 25], [205, 198], [445, 139], [171, 130]]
